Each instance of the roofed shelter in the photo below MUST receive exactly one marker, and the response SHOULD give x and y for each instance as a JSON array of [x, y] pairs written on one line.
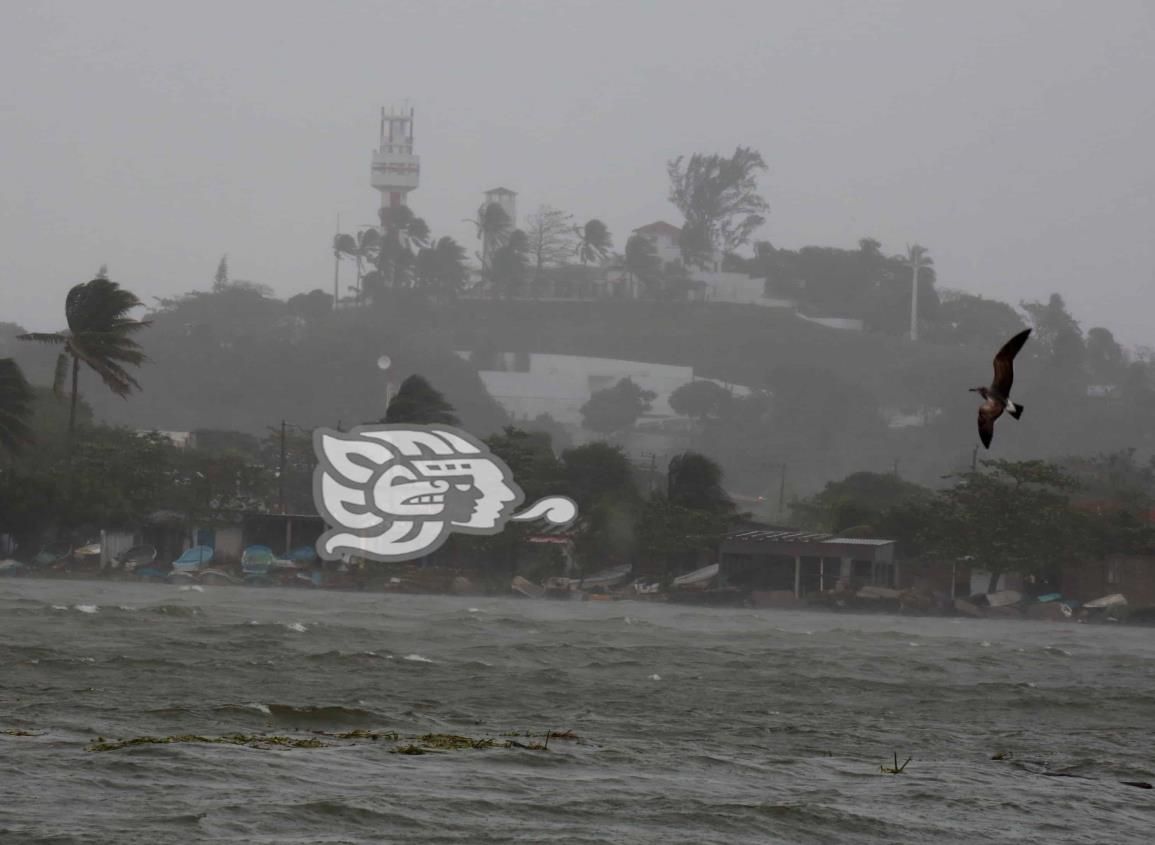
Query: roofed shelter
[[794, 563]]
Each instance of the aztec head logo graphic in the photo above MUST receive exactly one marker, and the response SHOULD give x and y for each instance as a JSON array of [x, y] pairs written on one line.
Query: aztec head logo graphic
[[396, 492]]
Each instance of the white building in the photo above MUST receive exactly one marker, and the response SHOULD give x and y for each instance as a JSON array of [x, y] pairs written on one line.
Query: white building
[[664, 236], [559, 385], [715, 285]]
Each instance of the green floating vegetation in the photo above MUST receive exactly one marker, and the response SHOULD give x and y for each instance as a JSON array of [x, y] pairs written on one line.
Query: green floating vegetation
[[250, 740], [18, 732], [361, 733], [430, 743]]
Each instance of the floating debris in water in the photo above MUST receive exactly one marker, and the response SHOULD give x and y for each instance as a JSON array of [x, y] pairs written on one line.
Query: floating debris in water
[[297, 626], [896, 769], [251, 740], [19, 732], [655, 677], [196, 588]]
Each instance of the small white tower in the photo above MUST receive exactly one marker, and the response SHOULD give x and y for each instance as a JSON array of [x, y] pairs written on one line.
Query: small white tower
[[395, 169], [505, 198]]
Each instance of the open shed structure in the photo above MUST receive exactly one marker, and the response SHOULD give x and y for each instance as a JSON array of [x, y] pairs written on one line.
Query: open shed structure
[[790, 563]]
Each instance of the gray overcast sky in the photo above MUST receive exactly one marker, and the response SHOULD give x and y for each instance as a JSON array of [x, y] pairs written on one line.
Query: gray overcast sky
[[1014, 139]]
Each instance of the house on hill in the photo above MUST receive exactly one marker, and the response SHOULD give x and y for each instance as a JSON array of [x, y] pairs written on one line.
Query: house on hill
[[711, 285]]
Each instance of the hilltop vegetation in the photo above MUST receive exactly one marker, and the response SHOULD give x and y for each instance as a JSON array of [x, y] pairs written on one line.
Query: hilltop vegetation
[[237, 358]]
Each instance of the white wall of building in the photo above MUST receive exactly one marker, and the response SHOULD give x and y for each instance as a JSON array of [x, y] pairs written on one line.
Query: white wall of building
[[559, 385]]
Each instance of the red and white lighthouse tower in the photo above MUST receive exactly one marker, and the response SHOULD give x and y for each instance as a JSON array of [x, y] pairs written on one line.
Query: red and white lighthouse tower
[[395, 170]]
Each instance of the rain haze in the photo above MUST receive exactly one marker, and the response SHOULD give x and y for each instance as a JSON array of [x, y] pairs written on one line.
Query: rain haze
[[1011, 139], [649, 422]]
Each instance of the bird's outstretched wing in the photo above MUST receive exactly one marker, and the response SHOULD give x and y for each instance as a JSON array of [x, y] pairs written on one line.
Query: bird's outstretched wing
[[1004, 363], [986, 426]]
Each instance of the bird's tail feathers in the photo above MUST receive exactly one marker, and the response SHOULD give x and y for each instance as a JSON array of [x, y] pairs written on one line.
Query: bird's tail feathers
[[1016, 410]]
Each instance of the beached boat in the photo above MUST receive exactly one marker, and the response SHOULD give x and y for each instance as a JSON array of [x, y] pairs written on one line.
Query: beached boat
[[699, 577], [1004, 598], [1113, 600], [526, 588], [605, 578]]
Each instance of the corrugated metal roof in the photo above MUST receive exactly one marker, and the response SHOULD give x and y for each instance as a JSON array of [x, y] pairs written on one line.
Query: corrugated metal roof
[[777, 535], [772, 534]]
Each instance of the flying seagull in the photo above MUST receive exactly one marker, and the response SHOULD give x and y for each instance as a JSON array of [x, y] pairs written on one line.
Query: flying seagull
[[997, 397]]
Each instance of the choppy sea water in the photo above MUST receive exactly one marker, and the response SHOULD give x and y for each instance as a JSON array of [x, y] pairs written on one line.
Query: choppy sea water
[[695, 725]]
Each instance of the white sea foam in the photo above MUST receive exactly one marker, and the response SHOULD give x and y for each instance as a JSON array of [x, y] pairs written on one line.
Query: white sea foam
[[196, 588], [655, 677], [417, 658], [296, 626], [87, 608]]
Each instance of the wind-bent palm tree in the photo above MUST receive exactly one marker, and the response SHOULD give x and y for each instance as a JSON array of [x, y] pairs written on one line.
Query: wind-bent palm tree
[[15, 406], [641, 262], [402, 234], [594, 241], [361, 249], [916, 259], [493, 229], [98, 336]]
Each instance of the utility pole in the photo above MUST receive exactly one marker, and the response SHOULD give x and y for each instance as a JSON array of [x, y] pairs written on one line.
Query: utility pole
[[336, 265], [782, 490], [281, 474]]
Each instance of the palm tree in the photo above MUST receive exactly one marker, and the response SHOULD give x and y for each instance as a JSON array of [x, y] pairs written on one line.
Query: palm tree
[[594, 241], [98, 336], [510, 265], [15, 406], [440, 270], [916, 259], [361, 249], [641, 261], [493, 229], [402, 234], [343, 245]]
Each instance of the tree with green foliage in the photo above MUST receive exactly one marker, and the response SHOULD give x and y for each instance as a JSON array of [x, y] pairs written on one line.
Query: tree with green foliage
[[1105, 358], [1010, 516], [440, 270], [402, 234], [1057, 333], [694, 481], [642, 264], [510, 265], [718, 197], [493, 227], [599, 477], [221, 278], [701, 399], [312, 307], [99, 335], [417, 401], [974, 320], [868, 504], [617, 408], [16, 397]]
